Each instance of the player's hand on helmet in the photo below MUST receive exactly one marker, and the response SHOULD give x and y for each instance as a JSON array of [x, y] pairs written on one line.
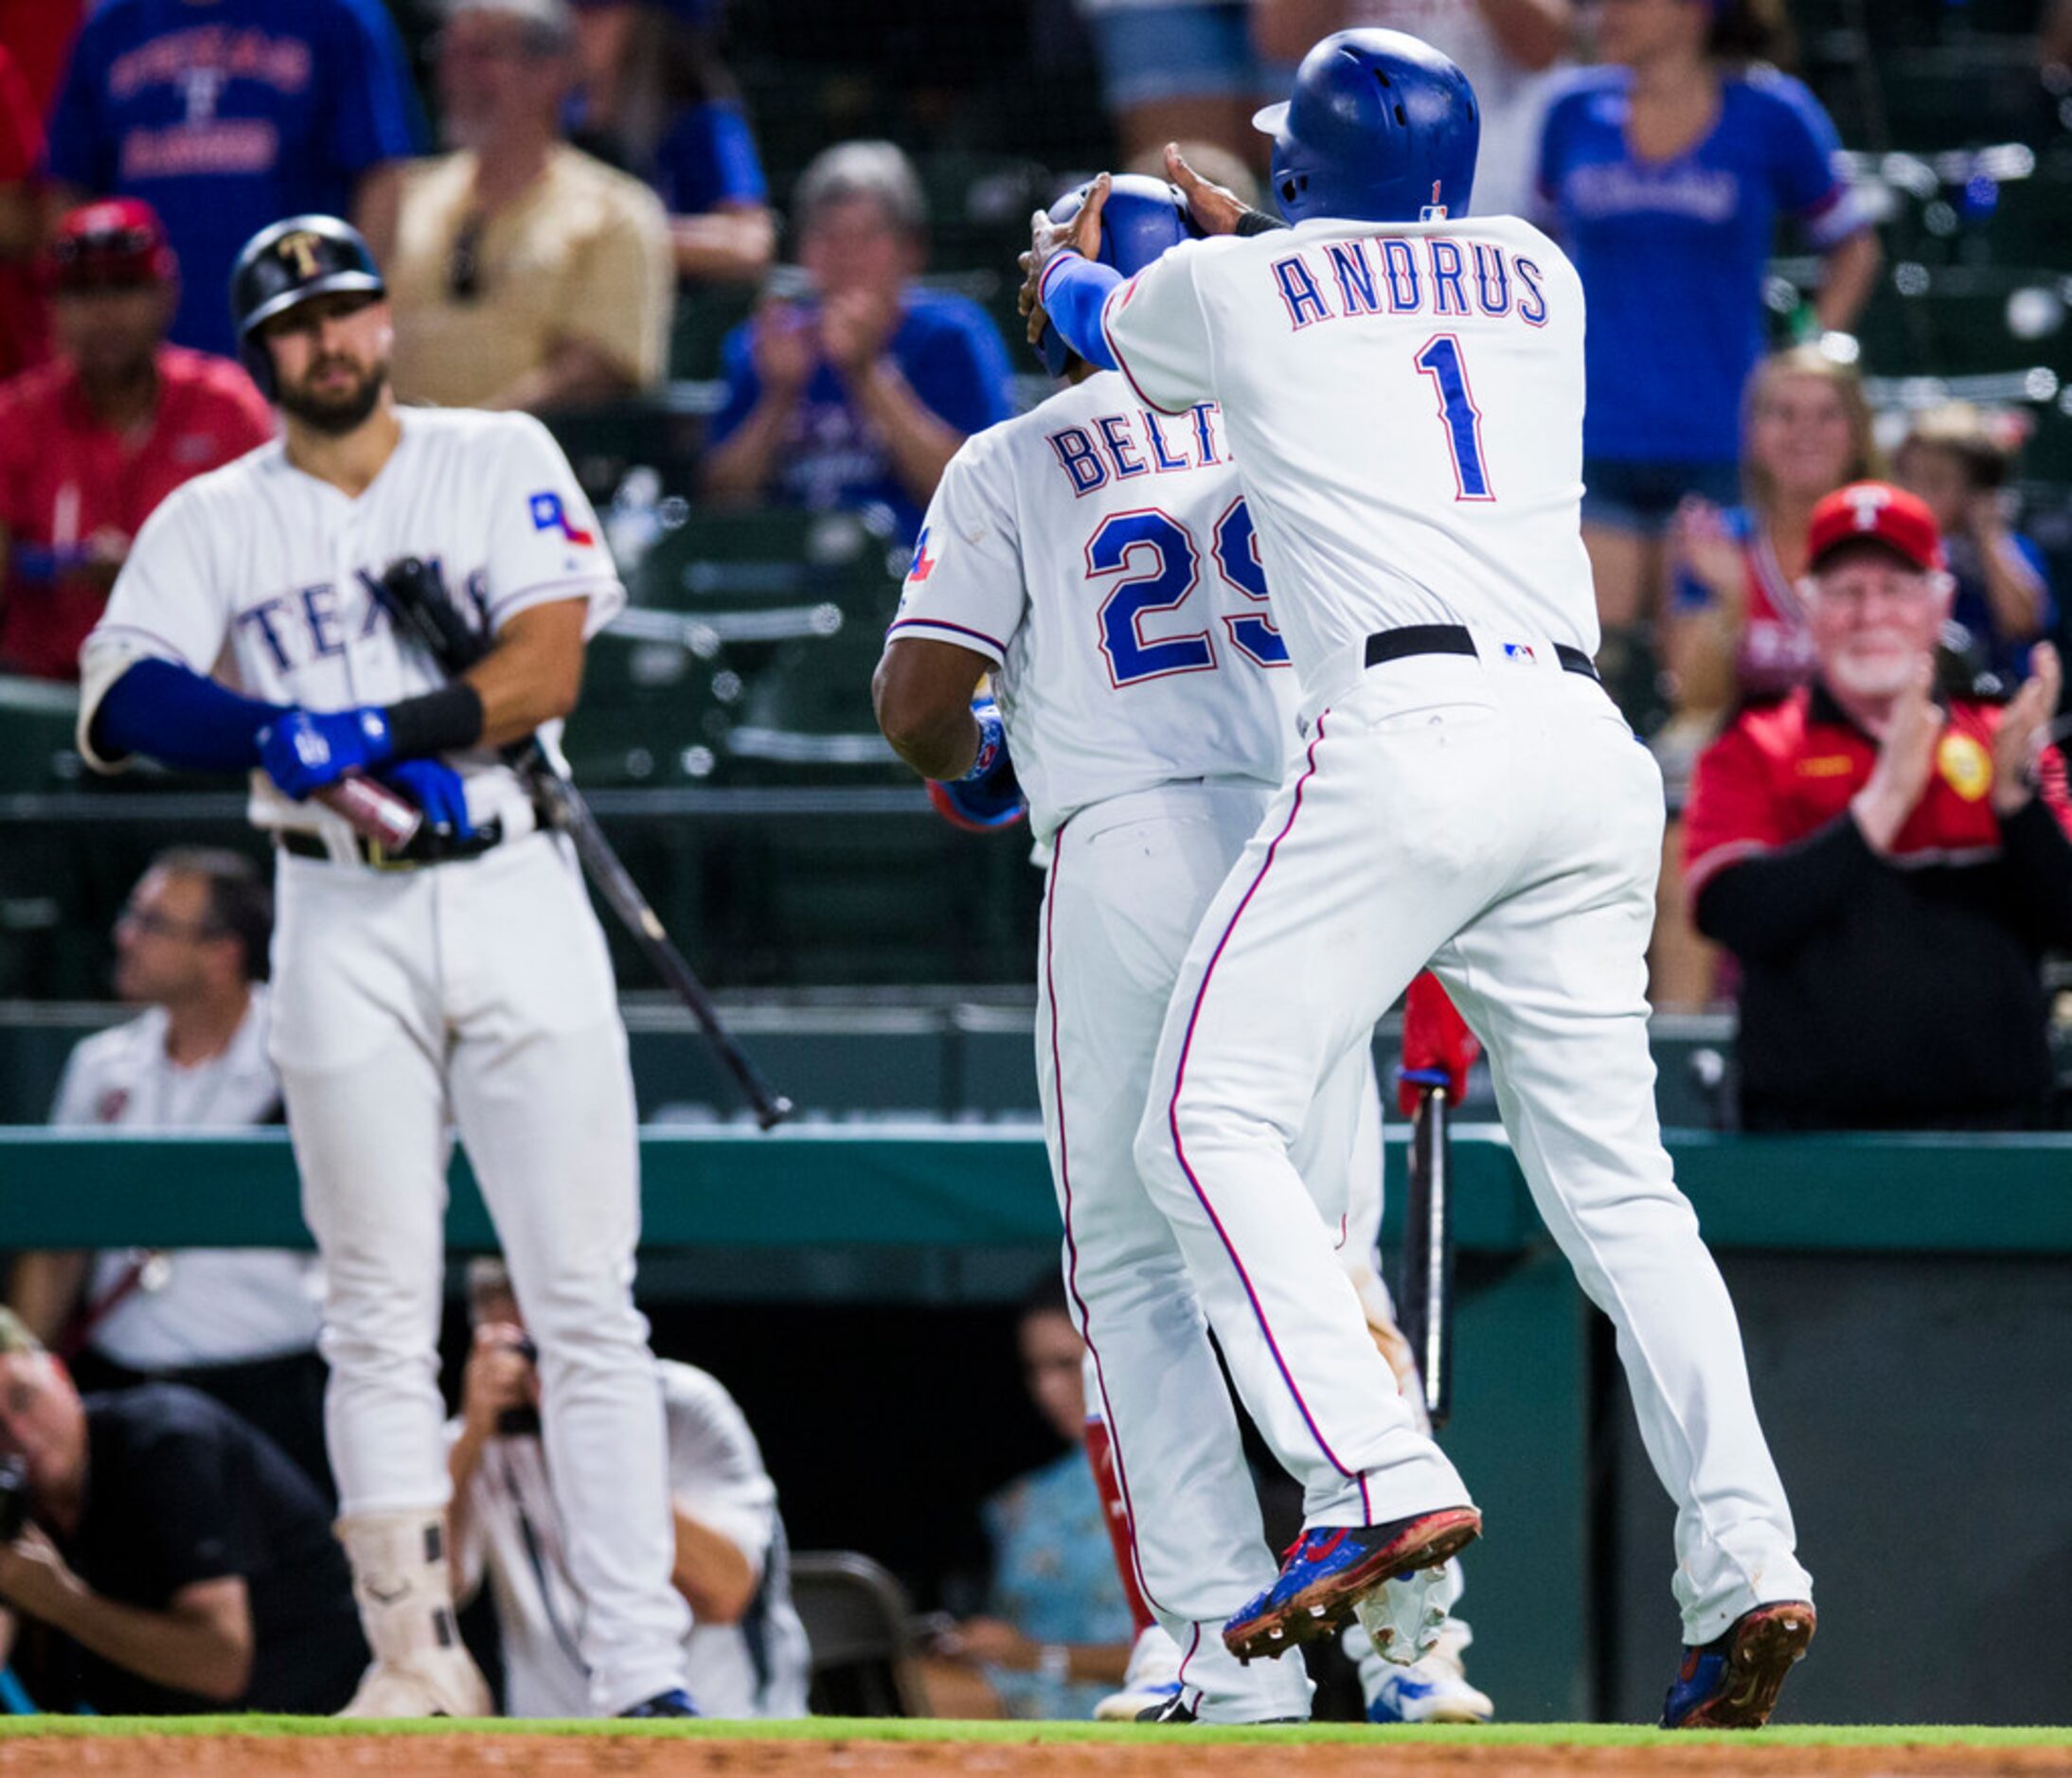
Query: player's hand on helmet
[[1081, 235], [2025, 731], [436, 789], [307, 751], [1438, 1047], [1906, 757], [1216, 210], [784, 347], [989, 795]]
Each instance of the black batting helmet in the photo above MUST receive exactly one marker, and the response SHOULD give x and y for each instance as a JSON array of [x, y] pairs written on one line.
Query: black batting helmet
[[286, 263]]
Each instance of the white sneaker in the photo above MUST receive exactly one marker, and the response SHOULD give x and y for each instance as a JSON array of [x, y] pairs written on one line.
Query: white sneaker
[[1433, 1688], [438, 1683], [1149, 1682]]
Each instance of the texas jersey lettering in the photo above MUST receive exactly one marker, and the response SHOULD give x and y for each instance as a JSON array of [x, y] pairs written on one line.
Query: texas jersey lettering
[[268, 576]]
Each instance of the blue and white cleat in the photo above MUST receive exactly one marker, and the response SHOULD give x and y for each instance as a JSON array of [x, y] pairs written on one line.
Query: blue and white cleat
[[1150, 1683], [1732, 1681], [673, 1702], [1329, 1569], [1433, 1688]]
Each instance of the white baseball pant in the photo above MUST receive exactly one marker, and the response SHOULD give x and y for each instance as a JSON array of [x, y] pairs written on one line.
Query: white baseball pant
[[478, 995], [1129, 880], [1494, 815]]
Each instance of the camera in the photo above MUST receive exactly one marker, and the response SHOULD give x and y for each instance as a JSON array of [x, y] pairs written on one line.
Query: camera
[[521, 1422], [13, 1498]]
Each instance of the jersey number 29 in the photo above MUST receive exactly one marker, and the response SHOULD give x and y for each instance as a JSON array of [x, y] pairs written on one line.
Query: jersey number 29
[[1160, 566]]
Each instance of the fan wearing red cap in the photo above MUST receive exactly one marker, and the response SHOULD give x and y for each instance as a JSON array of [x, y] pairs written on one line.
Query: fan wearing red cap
[[1887, 867], [91, 442]]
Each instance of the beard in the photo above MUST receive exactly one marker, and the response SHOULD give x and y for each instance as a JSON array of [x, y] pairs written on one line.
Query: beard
[[334, 412]]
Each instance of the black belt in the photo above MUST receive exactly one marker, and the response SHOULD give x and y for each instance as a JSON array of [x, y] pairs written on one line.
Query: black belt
[[429, 846], [1393, 644]]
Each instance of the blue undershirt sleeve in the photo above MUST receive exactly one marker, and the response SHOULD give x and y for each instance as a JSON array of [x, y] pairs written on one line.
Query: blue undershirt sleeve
[[1073, 292], [171, 713]]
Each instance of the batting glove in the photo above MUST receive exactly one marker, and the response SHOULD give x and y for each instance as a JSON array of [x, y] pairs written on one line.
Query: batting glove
[[1438, 1047], [989, 795], [306, 751], [436, 789]]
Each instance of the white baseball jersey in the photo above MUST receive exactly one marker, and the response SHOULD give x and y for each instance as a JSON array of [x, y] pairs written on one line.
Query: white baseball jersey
[[1404, 401], [200, 1306], [263, 576], [1102, 555], [759, 1667]]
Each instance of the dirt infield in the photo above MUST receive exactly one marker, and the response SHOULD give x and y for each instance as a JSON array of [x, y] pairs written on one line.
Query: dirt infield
[[464, 1754]]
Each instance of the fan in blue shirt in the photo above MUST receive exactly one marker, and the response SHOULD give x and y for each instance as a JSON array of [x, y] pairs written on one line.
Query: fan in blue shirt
[[658, 100], [229, 116], [1665, 172], [860, 392]]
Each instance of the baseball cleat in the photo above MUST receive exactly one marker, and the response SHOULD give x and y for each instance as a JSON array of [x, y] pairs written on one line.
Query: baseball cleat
[[1329, 1569], [673, 1702], [1174, 1709], [1427, 1691], [1732, 1681], [1149, 1682]]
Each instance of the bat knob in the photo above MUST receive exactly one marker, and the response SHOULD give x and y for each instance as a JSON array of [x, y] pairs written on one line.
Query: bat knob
[[773, 1112]]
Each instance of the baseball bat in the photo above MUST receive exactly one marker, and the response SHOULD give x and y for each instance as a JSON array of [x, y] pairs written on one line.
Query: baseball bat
[[416, 597], [1426, 1299], [567, 812]]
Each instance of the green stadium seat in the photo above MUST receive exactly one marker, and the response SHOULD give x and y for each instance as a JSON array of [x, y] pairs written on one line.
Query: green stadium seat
[[808, 713], [37, 718]]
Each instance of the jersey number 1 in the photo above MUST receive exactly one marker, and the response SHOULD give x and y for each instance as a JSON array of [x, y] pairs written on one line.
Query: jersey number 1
[[1440, 360]]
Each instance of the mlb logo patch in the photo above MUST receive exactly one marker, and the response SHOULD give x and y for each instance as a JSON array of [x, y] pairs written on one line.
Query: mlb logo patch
[[1519, 652], [549, 514]]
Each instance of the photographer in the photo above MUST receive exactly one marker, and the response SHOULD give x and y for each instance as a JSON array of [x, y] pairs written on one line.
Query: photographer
[[186, 1564], [746, 1653]]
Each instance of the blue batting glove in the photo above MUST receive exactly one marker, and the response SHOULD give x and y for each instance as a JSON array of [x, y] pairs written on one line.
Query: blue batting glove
[[436, 789], [307, 751], [989, 795]]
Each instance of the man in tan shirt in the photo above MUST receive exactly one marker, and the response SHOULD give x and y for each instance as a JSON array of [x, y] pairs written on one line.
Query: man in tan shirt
[[523, 272]]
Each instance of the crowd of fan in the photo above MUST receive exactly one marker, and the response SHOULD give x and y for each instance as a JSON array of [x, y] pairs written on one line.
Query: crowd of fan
[[1841, 765]]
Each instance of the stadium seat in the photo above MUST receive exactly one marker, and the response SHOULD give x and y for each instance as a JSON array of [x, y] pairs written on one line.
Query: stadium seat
[[861, 1631]]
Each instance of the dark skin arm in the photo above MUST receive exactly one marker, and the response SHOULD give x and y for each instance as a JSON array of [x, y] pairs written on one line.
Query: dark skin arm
[[534, 674], [923, 694]]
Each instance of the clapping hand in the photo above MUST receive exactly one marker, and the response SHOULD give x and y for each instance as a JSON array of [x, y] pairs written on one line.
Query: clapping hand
[[783, 347], [1906, 757], [2025, 731]]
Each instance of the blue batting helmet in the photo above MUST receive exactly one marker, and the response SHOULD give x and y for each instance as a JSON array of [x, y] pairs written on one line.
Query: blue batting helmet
[[1380, 128], [1142, 218]]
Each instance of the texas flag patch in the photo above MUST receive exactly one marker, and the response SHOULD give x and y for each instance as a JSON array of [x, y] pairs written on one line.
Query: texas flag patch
[[924, 563], [550, 514]]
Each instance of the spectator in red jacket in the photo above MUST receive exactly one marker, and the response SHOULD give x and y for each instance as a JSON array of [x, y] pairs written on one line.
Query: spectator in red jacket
[[93, 441], [1888, 867]]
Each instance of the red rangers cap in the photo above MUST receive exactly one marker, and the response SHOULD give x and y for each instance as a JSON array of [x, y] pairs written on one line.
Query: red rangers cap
[[1874, 512], [110, 241]]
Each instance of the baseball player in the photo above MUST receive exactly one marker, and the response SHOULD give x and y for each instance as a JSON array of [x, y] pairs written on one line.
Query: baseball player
[[462, 982], [1402, 388], [1098, 557]]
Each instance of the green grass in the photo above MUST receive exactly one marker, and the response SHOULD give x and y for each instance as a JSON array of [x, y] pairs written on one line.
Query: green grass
[[1019, 1733]]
